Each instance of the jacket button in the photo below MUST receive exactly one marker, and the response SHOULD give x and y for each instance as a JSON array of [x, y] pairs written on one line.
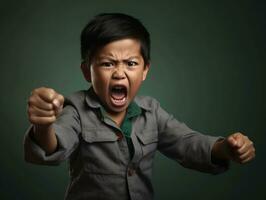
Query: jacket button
[[131, 172], [119, 135]]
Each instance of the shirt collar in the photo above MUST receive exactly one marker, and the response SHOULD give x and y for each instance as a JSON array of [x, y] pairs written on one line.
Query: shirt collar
[[133, 110], [92, 99], [94, 102]]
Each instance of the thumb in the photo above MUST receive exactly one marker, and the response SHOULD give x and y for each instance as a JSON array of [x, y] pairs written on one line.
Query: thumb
[[58, 103], [232, 142]]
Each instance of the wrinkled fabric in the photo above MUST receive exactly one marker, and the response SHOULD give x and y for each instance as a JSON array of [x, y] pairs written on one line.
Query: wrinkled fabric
[[99, 160]]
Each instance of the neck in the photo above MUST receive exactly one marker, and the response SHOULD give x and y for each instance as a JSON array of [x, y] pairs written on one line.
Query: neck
[[117, 117]]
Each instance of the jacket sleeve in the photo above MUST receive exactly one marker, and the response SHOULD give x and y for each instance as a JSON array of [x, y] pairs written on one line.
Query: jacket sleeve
[[67, 130], [188, 147]]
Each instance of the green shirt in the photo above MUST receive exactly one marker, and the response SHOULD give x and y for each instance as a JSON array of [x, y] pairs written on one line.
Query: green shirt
[[133, 111]]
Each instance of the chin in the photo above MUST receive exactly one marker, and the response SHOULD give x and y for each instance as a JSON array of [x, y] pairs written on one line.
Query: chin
[[115, 109]]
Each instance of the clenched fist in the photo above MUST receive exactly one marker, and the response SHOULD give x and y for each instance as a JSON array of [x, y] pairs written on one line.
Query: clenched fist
[[44, 105], [241, 148], [236, 147]]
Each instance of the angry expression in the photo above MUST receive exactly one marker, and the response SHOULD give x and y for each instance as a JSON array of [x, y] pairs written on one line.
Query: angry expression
[[117, 72]]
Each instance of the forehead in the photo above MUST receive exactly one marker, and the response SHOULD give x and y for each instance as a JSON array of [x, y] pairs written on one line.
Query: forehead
[[120, 48]]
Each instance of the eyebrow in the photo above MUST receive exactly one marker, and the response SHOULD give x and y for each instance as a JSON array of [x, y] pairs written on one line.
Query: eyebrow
[[112, 59]]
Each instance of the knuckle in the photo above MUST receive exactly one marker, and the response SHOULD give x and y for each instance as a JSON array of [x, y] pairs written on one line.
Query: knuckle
[[50, 90], [30, 110], [62, 98], [52, 119], [51, 113], [45, 113], [42, 88], [34, 91], [234, 135], [31, 100], [38, 90], [50, 94], [238, 152], [32, 119]]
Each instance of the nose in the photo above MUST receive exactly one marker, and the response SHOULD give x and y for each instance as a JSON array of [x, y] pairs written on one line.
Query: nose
[[119, 72]]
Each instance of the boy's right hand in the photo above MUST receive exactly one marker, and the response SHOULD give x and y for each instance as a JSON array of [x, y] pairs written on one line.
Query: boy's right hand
[[44, 105]]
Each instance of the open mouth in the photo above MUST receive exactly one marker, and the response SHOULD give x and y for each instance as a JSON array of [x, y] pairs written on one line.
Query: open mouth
[[118, 95]]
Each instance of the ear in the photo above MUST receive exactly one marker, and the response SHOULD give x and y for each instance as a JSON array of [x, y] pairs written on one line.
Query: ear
[[145, 71], [86, 71]]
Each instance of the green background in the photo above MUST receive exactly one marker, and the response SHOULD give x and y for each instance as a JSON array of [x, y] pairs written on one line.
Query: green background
[[208, 69]]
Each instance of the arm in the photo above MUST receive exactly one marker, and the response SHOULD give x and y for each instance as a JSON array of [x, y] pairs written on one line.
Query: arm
[[188, 147], [44, 106], [236, 147], [45, 138]]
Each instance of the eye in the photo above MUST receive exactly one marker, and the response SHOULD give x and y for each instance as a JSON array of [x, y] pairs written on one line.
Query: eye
[[132, 63], [106, 64]]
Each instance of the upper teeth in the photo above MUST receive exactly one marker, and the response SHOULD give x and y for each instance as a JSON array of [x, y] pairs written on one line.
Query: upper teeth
[[118, 87]]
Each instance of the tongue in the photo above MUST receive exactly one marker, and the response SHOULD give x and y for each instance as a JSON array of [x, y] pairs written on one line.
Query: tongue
[[118, 95]]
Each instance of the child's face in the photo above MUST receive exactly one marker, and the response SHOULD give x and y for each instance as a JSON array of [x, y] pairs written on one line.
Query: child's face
[[116, 73]]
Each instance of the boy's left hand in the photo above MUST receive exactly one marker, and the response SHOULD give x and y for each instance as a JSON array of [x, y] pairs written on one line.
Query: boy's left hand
[[241, 148], [236, 147]]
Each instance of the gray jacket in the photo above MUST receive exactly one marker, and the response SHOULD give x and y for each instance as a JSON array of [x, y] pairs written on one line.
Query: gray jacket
[[100, 164]]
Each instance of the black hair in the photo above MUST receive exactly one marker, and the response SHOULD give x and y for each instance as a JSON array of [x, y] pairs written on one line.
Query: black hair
[[108, 27]]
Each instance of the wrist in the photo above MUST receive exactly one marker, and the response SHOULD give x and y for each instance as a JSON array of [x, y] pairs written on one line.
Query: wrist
[[220, 150], [45, 137], [41, 129]]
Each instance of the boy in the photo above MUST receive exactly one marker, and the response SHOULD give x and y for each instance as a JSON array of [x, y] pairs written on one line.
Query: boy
[[108, 133]]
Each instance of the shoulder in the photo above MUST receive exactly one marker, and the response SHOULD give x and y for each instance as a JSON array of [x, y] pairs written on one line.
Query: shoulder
[[76, 98], [146, 102]]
